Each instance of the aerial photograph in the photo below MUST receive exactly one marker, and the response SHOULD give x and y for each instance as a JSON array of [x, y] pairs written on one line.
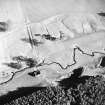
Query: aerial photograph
[[52, 52]]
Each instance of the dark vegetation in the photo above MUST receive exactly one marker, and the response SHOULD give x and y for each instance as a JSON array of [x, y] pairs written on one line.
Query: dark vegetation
[[102, 64], [74, 90], [13, 65], [30, 62], [34, 73], [102, 14], [74, 80], [49, 37], [20, 92], [92, 92], [3, 26]]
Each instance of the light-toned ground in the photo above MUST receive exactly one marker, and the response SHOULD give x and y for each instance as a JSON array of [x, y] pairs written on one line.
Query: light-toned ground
[[10, 10], [37, 10]]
